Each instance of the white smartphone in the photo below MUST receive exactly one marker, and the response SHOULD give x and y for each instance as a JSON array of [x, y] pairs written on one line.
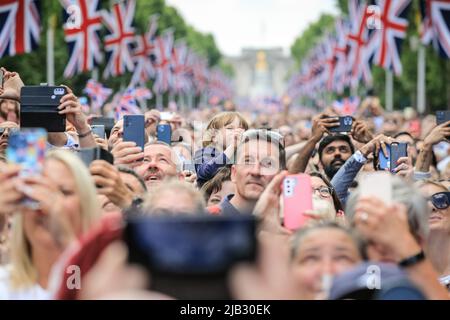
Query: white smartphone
[[377, 184]]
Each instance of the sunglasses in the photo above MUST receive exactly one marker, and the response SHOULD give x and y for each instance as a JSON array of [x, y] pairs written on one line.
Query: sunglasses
[[10, 130], [440, 200]]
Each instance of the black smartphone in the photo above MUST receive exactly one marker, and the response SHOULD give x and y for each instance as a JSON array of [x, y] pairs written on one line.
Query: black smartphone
[[397, 151], [442, 116], [134, 129], [99, 130], [345, 125], [189, 257], [107, 122], [164, 133], [39, 108], [88, 155]]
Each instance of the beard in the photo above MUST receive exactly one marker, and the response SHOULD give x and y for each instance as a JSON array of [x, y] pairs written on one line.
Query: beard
[[333, 167]]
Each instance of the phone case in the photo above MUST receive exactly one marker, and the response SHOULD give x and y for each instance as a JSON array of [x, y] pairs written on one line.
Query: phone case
[[38, 108], [27, 148], [134, 129], [345, 125], [377, 184], [297, 198], [398, 150], [164, 133], [88, 155], [442, 116]]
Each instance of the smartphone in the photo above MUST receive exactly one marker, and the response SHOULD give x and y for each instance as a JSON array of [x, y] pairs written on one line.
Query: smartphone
[[166, 116], [134, 129], [297, 198], [189, 257], [384, 161], [397, 150], [88, 155], [39, 108], [99, 130], [345, 125], [377, 184], [107, 122], [442, 116], [27, 148], [164, 133]]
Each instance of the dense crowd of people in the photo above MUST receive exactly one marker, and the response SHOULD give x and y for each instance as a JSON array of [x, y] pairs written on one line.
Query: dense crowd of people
[[227, 162]]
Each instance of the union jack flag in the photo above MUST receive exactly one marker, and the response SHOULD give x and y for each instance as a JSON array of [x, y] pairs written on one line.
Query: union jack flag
[[127, 104], [340, 49], [143, 93], [358, 58], [20, 26], [97, 93], [181, 81], [83, 41], [435, 26], [118, 42], [385, 42], [144, 54], [346, 106], [163, 57]]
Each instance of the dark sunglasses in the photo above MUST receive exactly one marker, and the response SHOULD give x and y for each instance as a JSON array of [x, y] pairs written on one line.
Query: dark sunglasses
[[440, 200]]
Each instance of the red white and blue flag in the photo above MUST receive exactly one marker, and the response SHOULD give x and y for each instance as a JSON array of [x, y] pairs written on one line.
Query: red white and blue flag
[[181, 81], [435, 27], [143, 54], [163, 57], [358, 58], [83, 39], [127, 104], [386, 40], [346, 106], [97, 93], [120, 38], [143, 93], [20, 26]]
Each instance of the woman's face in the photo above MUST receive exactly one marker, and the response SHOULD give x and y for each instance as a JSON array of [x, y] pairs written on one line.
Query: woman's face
[[36, 224], [321, 190], [217, 197], [439, 219], [323, 252]]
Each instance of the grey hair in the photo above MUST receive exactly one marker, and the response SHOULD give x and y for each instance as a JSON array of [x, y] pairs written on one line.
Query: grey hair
[[176, 159], [407, 194]]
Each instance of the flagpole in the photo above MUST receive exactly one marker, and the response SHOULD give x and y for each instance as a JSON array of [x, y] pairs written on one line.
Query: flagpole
[[421, 85], [50, 50], [389, 91]]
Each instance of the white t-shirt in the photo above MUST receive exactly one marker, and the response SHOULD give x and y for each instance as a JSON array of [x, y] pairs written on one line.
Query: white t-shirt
[[35, 292]]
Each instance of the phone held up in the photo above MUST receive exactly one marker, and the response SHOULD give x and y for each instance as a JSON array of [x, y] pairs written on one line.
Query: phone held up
[[134, 129], [164, 133], [297, 199], [345, 125], [395, 151]]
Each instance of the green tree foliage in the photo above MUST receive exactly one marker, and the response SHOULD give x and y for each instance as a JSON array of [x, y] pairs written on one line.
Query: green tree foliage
[[32, 66], [311, 36], [405, 86]]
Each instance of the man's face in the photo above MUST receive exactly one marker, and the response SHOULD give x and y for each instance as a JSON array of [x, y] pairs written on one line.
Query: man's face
[[334, 156], [257, 163], [158, 164], [116, 134], [5, 132]]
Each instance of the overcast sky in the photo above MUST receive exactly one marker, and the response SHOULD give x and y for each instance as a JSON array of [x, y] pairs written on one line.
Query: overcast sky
[[252, 23]]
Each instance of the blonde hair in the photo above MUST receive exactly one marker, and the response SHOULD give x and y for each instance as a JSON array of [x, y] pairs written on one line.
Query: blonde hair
[[177, 187], [219, 121], [23, 272]]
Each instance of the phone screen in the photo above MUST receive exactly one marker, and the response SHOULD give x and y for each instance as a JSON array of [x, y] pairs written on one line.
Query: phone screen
[[189, 257], [164, 133]]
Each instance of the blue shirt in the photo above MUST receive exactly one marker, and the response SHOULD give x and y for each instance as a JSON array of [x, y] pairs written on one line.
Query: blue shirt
[[207, 162]]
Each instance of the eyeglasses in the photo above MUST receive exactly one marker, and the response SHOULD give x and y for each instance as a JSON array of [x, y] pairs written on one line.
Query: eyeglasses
[[324, 192], [10, 130], [440, 200]]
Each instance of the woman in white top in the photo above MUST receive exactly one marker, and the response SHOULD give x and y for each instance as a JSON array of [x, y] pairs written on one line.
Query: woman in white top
[[66, 208]]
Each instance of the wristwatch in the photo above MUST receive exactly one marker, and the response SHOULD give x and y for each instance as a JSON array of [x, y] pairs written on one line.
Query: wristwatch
[[410, 261]]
